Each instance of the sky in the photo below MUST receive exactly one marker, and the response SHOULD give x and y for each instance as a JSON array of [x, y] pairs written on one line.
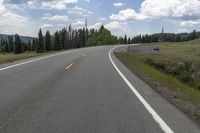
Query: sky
[[131, 17]]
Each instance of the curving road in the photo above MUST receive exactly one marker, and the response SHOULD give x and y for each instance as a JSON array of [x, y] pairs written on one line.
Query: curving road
[[80, 91]]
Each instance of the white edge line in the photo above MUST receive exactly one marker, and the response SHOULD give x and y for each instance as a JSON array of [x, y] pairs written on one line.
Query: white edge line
[[155, 116], [19, 64]]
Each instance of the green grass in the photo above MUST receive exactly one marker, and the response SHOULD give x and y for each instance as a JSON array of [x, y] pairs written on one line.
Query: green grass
[[10, 57], [189, 50], [181, 53], [139, 63]]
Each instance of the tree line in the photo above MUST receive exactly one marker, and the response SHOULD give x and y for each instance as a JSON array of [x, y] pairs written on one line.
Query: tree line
[[66, 38], [69, 38], [162, 37], [15, 44]]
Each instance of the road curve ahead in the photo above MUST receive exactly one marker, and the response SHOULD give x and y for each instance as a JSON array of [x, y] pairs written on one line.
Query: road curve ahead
[[80, 91]]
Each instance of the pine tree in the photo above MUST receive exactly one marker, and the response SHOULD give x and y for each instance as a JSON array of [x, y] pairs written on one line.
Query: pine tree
[[62, 38], [101, 28], [79, 38], [56, 41], [86, 35], [70, 36], [10, 44], [6, 46], [73, 39], [1, 50], [121, 40], [24, 46], [83, 38], [48, 41], [129, 40], [40, 45], [18, 45], [33, 45], [29, 46], [66, 40], [125, 39]]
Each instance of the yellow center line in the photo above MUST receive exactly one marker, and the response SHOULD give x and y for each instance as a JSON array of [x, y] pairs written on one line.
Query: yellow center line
[[69, 66]]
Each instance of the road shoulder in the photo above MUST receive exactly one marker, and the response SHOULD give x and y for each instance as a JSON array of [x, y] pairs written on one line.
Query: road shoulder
[[176, 120]]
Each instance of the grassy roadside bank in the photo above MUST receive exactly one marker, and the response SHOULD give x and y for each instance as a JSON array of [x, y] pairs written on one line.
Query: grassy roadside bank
[[10, 57], [184, 95], [139, 63]]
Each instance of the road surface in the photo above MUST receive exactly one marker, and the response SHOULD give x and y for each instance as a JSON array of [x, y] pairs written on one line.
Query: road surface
[[81, 91]]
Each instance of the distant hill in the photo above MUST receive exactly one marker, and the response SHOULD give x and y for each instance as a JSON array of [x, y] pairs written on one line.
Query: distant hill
[[23, 38]]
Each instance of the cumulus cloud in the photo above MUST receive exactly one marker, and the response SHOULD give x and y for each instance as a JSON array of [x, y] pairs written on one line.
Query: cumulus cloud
[[95, 26], [190, 23], [127, 14], [10, 21], [153, 9], [61, 25], [114, 25], [119, 4], [79, 11], [170, 8], [44, 26], [49, 4], [59, 18], [2, 9], [182, 30], [79, 24]]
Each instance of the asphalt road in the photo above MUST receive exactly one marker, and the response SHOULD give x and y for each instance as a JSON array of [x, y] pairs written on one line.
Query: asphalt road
[[80, 91]]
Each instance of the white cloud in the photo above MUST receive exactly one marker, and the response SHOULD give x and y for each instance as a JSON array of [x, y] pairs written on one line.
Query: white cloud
[[170, 8], [33, 4], [79, 11], [95, 26], [61, 25], [114, 25], [155, 9], [79, 23], [190, 23], [89, 12], [127, 14], [2, 9], [46, 26], [59, 18], [119, 4], [10, 22], [55, 4], [11, 19], [182, 30]]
